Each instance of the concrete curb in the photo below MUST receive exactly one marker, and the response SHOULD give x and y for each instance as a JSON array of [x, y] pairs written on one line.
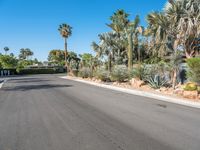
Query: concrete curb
[[1, 84], [142, 93]]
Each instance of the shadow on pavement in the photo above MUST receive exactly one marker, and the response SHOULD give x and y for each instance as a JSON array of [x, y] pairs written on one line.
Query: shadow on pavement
[[34, 87], [28, 80]]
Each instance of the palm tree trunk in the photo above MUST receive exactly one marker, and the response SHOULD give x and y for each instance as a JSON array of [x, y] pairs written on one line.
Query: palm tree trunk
[[130, 52], [66, 65], [109, 62], [174, 79], [65, 50]]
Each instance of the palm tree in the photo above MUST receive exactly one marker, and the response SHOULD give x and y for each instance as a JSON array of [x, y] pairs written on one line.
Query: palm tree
[[106, 47], [159, 29], [6, 49], [178, 25], [25, 53], [175, 61], [28, 53], [119, 21], [22, 54], [65, 31]]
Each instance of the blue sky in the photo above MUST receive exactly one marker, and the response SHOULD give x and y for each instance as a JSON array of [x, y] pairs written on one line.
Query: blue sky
[[33, 23]]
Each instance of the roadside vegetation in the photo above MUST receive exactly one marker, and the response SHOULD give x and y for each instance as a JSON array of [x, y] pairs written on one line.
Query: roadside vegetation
[[164, 55]]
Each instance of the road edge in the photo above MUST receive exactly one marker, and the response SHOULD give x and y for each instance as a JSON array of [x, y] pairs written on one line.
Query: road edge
[[2, 83], [141, 93]]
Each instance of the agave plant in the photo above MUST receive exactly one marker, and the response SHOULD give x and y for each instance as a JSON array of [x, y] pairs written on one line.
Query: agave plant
[[156, 81]]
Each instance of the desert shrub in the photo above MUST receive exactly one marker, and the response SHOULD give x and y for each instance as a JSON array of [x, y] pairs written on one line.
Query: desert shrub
[[138, 72], [85, 72], [194, 70], [103, 74], [74, 72], [119, 73], [156, 81], [190, 86], [155, 76]]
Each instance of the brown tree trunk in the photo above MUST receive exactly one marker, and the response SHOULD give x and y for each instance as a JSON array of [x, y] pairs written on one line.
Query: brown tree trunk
[[174, 79], [66, 65], [130, 52], [109, 62]]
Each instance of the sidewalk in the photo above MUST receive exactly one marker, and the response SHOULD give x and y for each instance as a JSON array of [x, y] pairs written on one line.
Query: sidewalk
[[175, 100]]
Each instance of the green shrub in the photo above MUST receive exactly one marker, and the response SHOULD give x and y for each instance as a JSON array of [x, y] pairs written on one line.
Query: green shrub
[[119, 73], [24, 71], [194, 69], [85, 72], [138, 72], [190, 86], [103, 74]]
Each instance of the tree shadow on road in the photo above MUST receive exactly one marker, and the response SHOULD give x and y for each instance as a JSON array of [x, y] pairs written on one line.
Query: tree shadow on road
[[34, 87], [28, 80]]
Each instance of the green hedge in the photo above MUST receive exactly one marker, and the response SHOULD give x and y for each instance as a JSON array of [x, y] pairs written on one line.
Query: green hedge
[[37, 71], [194, 69]]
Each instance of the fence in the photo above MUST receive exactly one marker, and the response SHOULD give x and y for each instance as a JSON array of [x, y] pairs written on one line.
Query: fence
[[7, 72]]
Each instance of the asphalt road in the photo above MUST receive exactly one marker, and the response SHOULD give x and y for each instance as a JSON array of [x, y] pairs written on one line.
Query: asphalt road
[[48, 113]]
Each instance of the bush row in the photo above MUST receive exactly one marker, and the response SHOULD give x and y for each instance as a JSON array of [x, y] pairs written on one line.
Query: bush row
[[156, 75], [38, 71], [119, 73]]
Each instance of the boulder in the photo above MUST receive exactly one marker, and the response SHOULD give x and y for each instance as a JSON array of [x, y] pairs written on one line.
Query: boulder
[[190, 94], [178, 91], [136, 82]]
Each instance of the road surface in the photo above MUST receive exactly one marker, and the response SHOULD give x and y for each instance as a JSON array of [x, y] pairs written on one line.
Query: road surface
[[49, 113]]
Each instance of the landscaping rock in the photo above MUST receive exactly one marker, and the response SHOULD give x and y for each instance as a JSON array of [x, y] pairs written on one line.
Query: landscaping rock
[[190, 94], [136, 83], [116, 83], [178, 91], [163, 89]]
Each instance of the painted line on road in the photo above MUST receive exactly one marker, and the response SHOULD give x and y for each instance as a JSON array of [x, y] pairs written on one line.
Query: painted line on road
[[142, 93]]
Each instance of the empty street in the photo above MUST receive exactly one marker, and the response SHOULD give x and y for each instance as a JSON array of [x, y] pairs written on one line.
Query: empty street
[[49, 113]]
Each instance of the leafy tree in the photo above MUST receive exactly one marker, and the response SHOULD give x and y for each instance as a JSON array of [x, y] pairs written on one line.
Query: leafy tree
[[57, 56], [86, 59], [73, 61], [8, 62]]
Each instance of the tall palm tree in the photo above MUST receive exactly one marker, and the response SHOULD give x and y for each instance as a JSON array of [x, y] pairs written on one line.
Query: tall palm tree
[[6, 49], [130, 30], [159, 27], [65, 31], [119, 20]]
